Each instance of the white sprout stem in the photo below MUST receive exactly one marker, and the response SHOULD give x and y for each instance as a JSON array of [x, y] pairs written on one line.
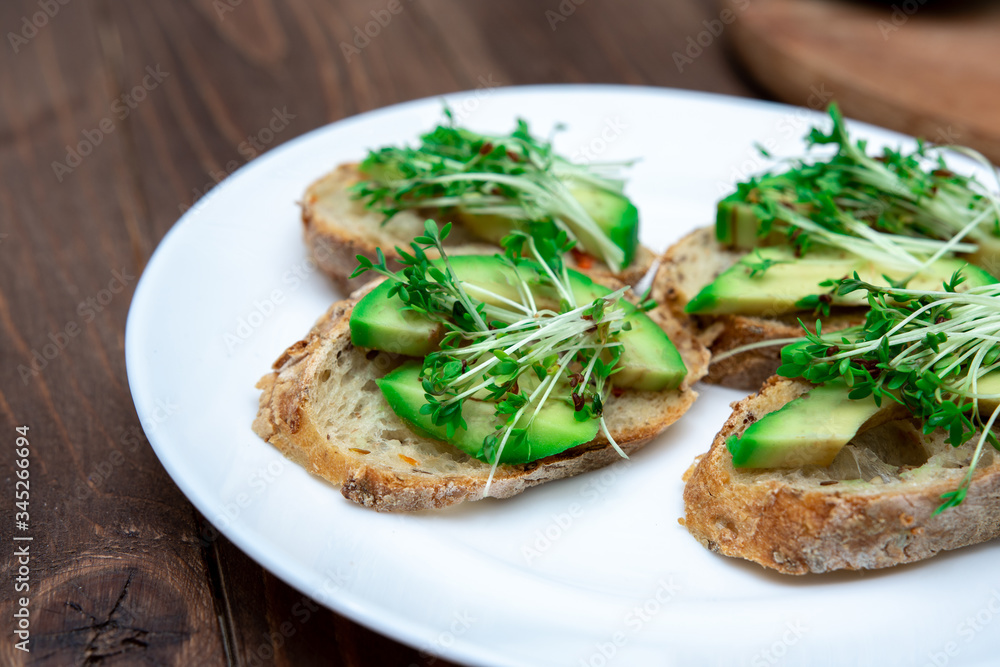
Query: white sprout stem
[[753, 346], [573, 317], [553, 379], [978, 453], [952, 243], [562, 285], [984, 303], [561, 328], [507, 432], [462, 296], [611, 440], [549, 330], [568, 207], [525, 289], [588, 370], [536, 354], [857, 246], [496, 297]]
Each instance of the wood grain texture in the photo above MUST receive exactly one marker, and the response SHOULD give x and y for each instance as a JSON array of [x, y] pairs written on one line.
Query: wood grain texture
[[114, 118], [927, 69]]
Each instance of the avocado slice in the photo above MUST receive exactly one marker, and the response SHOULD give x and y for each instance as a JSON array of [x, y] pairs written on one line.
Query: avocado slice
[[809, 430], [781, 287], [555, 428], [813, 428], [381, 323], [736, 225], [614, 213], [617, 217], [736, 228], [649, 360]]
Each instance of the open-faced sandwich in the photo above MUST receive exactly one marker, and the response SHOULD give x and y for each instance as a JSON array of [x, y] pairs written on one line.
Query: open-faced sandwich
[[781, 236], [461, 377], [486, 186], [873, 448]]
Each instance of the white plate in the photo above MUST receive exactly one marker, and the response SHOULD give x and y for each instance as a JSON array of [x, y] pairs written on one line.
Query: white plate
[[591, 571]]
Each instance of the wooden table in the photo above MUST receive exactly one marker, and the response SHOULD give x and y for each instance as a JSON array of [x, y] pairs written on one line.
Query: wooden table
[[115, 116]]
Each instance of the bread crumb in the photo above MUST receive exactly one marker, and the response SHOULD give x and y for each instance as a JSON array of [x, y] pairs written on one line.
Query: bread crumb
[[681, 521]]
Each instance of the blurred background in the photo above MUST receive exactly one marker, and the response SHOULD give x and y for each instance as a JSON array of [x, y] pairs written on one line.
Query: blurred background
[[116, 117]]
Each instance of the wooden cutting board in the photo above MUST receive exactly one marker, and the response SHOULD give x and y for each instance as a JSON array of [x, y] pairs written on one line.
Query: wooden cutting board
[[906, 66]]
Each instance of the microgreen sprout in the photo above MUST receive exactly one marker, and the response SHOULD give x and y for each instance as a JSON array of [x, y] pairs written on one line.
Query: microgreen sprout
[[926, 350], [909, 208], [516, 176], [759, 265], [515, 354]]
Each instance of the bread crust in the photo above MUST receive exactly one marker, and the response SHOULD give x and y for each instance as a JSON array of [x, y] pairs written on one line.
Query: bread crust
[[377, 462], [338, 228], [694, 262], [797, 525]]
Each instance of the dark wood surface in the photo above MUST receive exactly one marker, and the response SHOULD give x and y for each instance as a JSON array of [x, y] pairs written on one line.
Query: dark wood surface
[[122, 569], [928, 70]]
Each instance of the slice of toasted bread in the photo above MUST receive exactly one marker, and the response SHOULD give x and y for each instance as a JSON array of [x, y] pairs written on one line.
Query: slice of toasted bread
[[322, 408], [872, 507], [697, 260], [338, 228]]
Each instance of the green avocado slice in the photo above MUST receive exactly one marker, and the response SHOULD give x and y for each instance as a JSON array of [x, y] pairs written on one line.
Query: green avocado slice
[[649, 360], [555, 428], [736, 227], [614, 213], [809, 430], [813, 428], [789, 279]]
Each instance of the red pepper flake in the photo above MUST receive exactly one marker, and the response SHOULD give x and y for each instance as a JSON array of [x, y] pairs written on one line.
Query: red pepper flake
[[513, 156], [412, 462], [360, 451], [486, 148], [582, 259]]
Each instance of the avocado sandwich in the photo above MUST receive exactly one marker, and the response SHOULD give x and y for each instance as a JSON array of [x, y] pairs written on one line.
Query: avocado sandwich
[[486, 186], [782, 238], [459, 377], [874, 446]]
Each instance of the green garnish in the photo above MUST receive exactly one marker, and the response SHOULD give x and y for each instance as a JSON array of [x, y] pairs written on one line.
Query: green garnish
[[926, 350], [510, 352], [759, 265], [516, 177], [910, 207]]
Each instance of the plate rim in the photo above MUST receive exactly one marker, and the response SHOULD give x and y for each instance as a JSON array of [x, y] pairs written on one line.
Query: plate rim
[[389, 623]]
